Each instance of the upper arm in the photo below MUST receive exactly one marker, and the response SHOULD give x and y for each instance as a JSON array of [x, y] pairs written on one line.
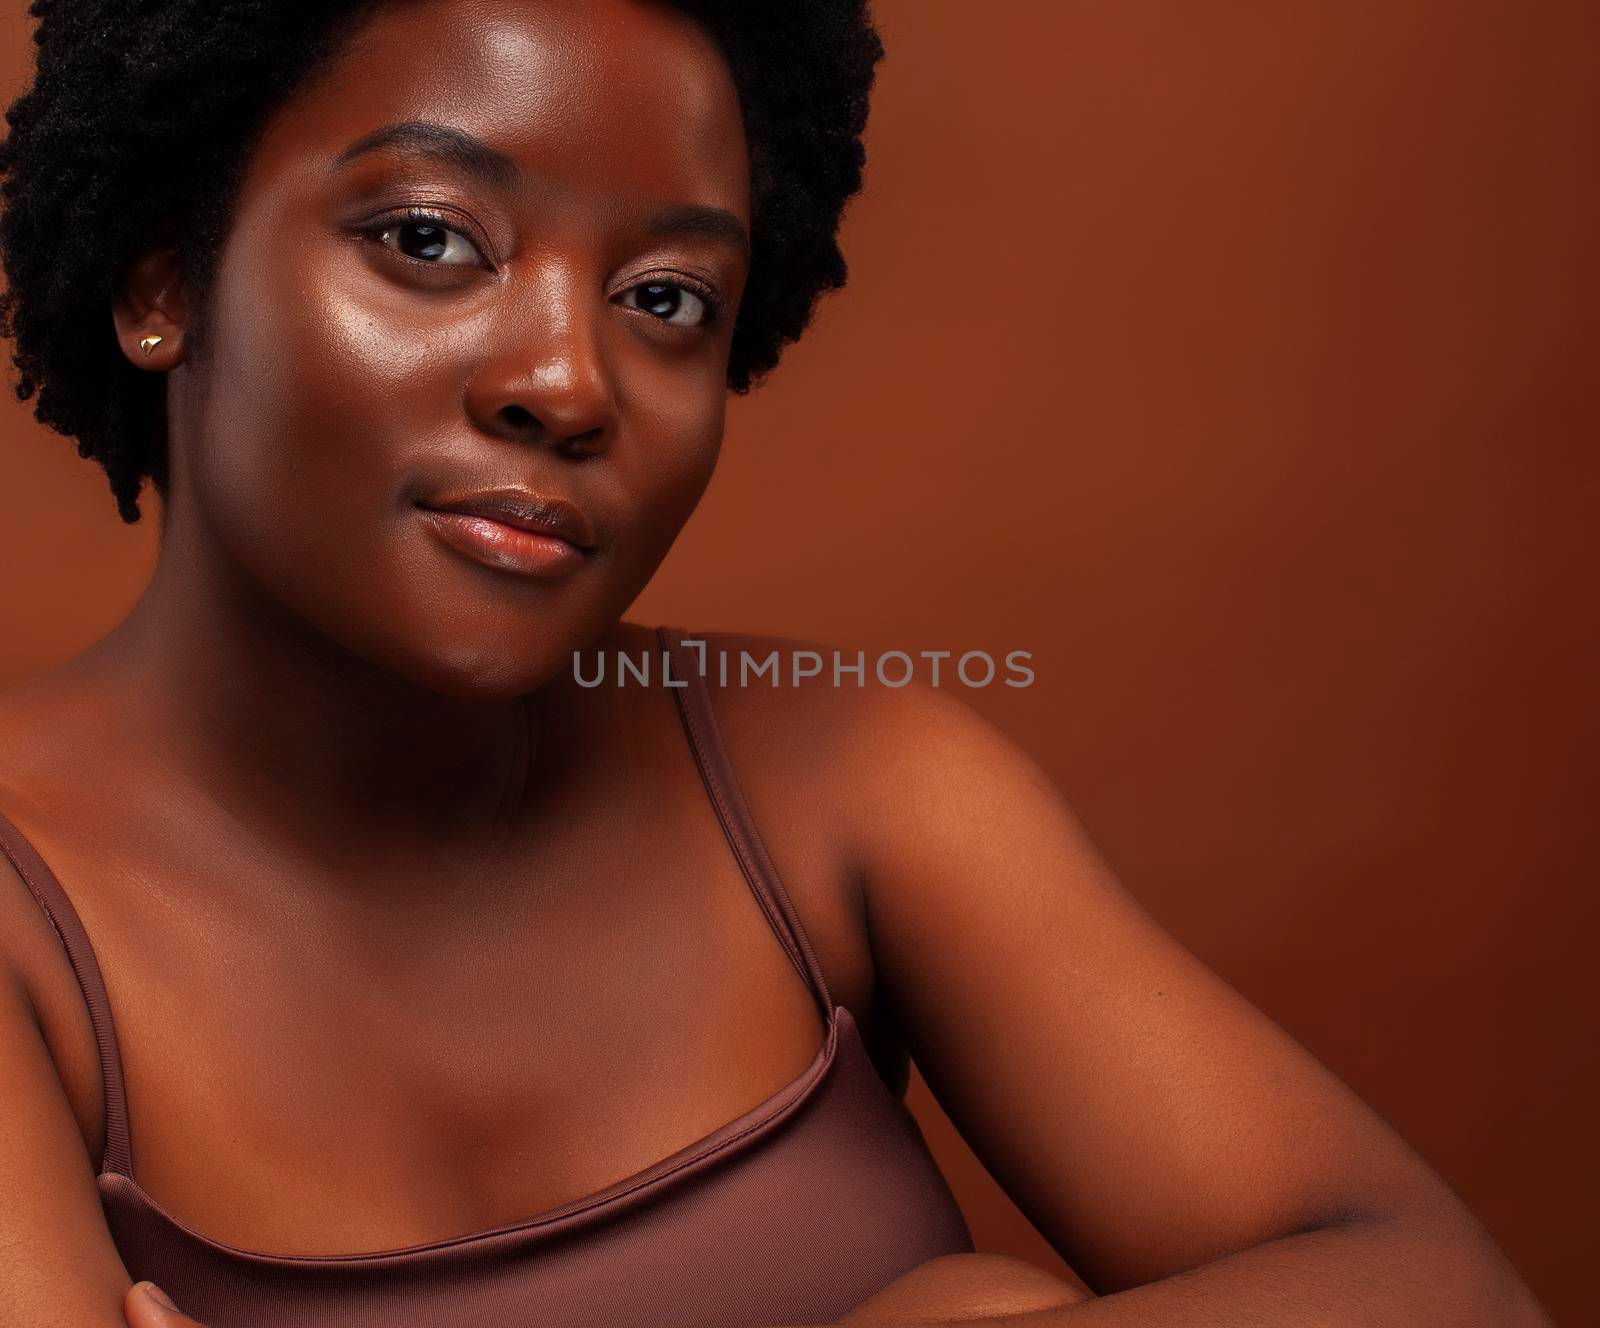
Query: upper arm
[[1144, 1116], [58, 1264]]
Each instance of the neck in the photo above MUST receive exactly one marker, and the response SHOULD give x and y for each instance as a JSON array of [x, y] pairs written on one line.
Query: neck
[[274, 724]]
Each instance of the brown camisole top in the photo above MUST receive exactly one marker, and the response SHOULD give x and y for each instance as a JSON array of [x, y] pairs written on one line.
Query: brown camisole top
[[792, 1213]]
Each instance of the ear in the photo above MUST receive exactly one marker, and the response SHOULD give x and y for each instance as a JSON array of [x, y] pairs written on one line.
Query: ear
[[152, 302]]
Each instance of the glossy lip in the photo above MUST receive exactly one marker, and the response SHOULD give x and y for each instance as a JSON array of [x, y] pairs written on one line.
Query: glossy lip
[[513, 530], [523, 509]]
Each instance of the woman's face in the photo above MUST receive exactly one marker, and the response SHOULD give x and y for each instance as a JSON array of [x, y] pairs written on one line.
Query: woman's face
[[555, 318]]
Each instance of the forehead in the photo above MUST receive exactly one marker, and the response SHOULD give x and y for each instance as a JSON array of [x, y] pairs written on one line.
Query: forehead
[[615, 100]]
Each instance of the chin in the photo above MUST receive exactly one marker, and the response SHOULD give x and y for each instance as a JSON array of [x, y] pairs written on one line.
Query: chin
[[488, 672]]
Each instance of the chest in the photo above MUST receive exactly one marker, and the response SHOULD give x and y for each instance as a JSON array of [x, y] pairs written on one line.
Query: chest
[[381, 1073], [394, 1117]]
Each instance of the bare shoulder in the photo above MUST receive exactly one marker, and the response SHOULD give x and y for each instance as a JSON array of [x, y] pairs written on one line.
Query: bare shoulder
[[37, 744], [835, 692], [822, 757], [29, 946], [856, 740], [802, 709], [56, 1253]]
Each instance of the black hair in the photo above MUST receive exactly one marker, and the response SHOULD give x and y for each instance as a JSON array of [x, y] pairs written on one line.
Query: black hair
[[142, 115]]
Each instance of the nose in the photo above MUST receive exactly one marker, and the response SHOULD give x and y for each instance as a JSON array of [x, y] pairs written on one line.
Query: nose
[[546, 380]]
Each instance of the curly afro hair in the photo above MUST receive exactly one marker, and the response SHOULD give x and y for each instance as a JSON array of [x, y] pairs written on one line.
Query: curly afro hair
[[142, 115]]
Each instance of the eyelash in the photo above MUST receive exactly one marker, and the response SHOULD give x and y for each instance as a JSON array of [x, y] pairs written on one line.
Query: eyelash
[[423, 217]]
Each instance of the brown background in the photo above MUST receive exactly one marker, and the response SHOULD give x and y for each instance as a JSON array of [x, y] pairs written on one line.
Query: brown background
[[1237, 360]]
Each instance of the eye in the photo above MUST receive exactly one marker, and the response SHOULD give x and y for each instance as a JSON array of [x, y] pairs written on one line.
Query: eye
[[423, 237], [672, 302]]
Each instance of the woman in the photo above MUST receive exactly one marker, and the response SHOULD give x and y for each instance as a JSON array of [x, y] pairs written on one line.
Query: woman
[[347, 927]]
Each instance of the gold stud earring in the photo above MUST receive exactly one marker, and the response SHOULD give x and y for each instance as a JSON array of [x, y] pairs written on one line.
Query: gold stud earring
[[148, 344]]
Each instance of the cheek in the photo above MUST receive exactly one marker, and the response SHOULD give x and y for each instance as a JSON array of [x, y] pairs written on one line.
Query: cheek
[[664, 462], [317, 396], [319, 416]]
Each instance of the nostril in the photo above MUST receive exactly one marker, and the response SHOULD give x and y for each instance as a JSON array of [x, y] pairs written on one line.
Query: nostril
[[587, 443]]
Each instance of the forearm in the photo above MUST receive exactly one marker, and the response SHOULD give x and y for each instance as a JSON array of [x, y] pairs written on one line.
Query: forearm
[[1366, 1274]]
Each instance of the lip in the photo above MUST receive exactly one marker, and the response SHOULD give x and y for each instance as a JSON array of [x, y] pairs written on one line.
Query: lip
[[524, 509], [514, 530]]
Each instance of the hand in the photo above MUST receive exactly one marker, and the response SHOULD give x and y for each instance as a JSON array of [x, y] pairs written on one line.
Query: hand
[[965, 1286], [144, 1310]]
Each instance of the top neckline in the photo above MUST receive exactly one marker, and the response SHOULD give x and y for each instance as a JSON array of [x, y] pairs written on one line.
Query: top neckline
[[726, 1141], [684, 677]]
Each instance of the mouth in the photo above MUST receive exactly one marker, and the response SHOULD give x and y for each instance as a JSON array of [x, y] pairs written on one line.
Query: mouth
[[514, 530]]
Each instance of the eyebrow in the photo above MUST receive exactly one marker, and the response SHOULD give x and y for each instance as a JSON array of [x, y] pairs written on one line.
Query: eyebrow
[[693, 219], [454, 147], [466, 152]]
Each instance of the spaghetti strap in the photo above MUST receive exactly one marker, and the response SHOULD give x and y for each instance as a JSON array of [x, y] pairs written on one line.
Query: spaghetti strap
[[64, 919], [689, 689]]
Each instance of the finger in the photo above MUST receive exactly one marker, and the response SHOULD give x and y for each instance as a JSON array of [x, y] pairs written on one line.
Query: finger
[[142, 1309]]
